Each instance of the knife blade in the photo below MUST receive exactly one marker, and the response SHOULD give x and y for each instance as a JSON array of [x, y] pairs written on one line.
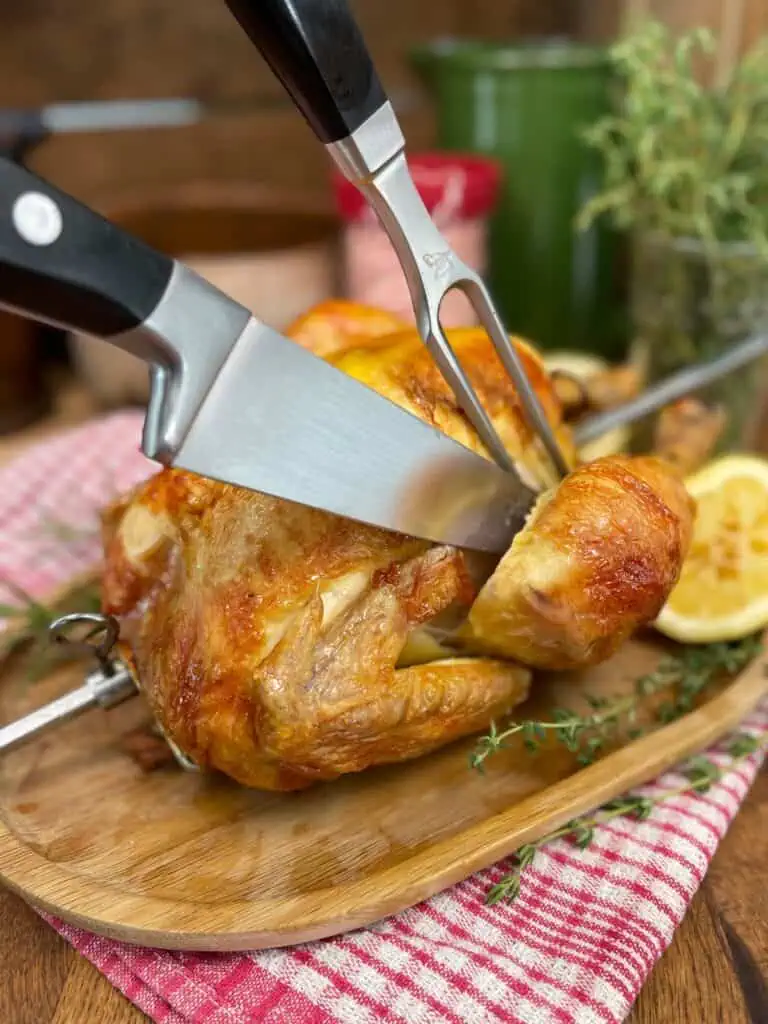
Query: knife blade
[[324, 440], [234, 400]]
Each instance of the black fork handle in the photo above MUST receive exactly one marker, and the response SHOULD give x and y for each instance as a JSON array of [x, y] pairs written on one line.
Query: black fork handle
[[316, 50]]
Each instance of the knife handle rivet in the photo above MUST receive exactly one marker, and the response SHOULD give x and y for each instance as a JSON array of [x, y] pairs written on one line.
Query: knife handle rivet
[[37, 218]]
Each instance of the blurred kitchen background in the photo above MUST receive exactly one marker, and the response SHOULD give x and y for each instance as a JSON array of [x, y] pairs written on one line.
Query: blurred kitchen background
[[244, 192]]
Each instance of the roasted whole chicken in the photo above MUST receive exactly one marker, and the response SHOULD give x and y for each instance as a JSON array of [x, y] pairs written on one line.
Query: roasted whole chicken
[[283, 645]]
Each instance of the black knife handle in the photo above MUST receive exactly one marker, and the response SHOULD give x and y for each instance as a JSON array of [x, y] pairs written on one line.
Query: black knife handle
[[317, 51], [62, 263]]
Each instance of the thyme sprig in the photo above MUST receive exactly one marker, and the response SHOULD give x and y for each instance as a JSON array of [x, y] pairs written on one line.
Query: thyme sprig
[[701, 773], [36, 618], [681, 157], [683, 678], [30, 619]]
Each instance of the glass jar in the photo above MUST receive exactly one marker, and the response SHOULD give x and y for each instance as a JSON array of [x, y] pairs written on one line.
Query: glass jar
[[690, 305]]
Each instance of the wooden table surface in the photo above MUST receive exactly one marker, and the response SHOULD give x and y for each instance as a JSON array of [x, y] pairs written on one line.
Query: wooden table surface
[[715, 971]]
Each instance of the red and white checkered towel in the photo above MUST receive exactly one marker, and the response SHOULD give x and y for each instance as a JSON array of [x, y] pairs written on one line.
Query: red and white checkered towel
[[574, 948]]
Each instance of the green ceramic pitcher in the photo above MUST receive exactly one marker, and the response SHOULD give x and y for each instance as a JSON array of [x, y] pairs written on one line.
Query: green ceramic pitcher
[[526, 104]]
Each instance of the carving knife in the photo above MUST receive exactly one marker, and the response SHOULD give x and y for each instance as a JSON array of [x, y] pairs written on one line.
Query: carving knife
[[233, 399]]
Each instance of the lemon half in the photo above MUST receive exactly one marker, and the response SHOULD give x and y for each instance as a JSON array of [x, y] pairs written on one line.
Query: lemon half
[[722, 593]]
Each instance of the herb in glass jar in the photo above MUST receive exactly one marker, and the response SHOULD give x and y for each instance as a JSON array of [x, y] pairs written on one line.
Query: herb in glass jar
[[686, 172]]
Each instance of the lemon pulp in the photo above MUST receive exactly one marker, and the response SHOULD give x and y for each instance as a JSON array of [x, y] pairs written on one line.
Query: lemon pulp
[[722, 593]]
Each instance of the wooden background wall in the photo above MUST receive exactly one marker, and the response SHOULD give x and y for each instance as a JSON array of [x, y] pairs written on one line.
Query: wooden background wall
[[600, 19], [80, 49], [54, 50]]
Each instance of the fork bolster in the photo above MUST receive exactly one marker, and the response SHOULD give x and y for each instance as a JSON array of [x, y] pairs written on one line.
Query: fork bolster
[[361, 155]]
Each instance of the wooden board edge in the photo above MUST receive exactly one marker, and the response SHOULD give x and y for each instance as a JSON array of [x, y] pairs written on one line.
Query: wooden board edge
[[336, 910]]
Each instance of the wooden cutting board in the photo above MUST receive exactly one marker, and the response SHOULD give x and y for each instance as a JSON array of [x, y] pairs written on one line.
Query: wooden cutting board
[[177, 860]]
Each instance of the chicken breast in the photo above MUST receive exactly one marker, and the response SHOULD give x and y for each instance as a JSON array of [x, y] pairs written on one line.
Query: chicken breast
[[338, 325], [404, 372]]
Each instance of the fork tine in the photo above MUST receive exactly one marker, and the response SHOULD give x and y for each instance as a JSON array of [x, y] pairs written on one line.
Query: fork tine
[[453, 372], [432, 269], [478, 295]]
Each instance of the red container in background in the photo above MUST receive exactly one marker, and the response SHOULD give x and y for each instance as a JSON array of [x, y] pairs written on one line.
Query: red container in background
[[460, 192]]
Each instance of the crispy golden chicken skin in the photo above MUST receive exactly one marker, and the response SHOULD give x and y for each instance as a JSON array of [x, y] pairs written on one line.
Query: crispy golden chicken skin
[[337, 325], [405, 372], [266, 635], [282, 645]]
